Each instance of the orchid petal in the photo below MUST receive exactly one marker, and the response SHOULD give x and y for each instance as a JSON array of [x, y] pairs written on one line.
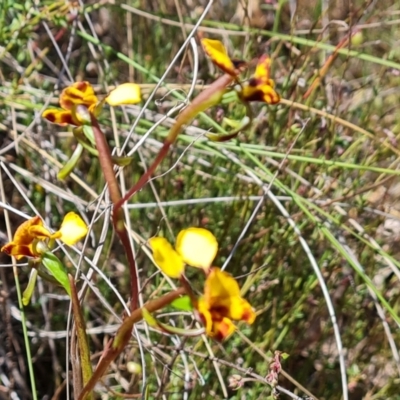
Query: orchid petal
[[166, 258], [59, 117], [72, 229], [127, 93], [76, 94], [197, 247], [219, 56]]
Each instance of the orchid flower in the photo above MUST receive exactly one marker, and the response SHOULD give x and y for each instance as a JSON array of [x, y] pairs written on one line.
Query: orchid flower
[[28, 235], [221, 302], [34, 241], [79, 106], [82, 94], [259, 87]]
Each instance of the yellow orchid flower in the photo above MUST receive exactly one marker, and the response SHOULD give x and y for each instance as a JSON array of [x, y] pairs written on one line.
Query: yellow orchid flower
[[30, 233], [79, 93], [222, 303], [82, 94], [196, 247], [260, 87]]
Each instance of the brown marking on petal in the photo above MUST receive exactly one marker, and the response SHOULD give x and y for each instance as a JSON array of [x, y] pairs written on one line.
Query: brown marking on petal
[[67, 119], [59, 117], [82, 86], [49, 115], [65, 102], [240, 66], [248, 315], [223, 329], [75, 94], [257, 95], [253, 82], [7, 248]]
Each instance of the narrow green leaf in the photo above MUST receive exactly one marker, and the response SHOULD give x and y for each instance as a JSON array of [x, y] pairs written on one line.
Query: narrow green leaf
[[88, 132], [26, 296], [71, 163], [121, 161], [182, 303], [57, 269], [238, 125], [172, 330]]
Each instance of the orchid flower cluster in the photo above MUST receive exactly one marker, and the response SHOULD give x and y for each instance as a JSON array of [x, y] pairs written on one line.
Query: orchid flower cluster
[[220, 302]]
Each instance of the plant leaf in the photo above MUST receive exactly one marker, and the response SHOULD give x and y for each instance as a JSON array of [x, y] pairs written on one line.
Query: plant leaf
[[26, 296], [172, 330], [71, 163], [57, 269], [183, 303]]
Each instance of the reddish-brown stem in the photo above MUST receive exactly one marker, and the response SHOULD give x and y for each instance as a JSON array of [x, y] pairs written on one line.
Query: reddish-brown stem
[[123, 335], [145, 177], [105, 160], [107, 167], [204, 100], [80, 326]]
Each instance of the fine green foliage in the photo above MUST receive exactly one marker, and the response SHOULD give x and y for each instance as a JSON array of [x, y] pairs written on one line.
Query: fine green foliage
[[303, 201]]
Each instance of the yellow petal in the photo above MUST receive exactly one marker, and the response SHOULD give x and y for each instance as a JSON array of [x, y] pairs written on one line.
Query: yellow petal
[[18, 251], [23, 235], [197, 247], [241, 310], [262, 73], [219, 56], [220, 288], [27, 232], [127, 93], [72, 229], [223, 329], [59, 117], [204, 312], [78, 93], [39, 232], [166, 258], [270, 96], [260, 87], [265, 92]]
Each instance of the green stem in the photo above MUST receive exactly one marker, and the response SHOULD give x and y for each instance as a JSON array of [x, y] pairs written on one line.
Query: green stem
[[25, 334]]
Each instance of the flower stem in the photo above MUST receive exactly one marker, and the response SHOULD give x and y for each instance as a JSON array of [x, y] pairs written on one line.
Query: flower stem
[[80, 326], [116, 345], [107, 167], [206, 99]]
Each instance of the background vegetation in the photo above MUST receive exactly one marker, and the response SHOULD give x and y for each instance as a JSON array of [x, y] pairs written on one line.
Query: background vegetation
[[304, 204]]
